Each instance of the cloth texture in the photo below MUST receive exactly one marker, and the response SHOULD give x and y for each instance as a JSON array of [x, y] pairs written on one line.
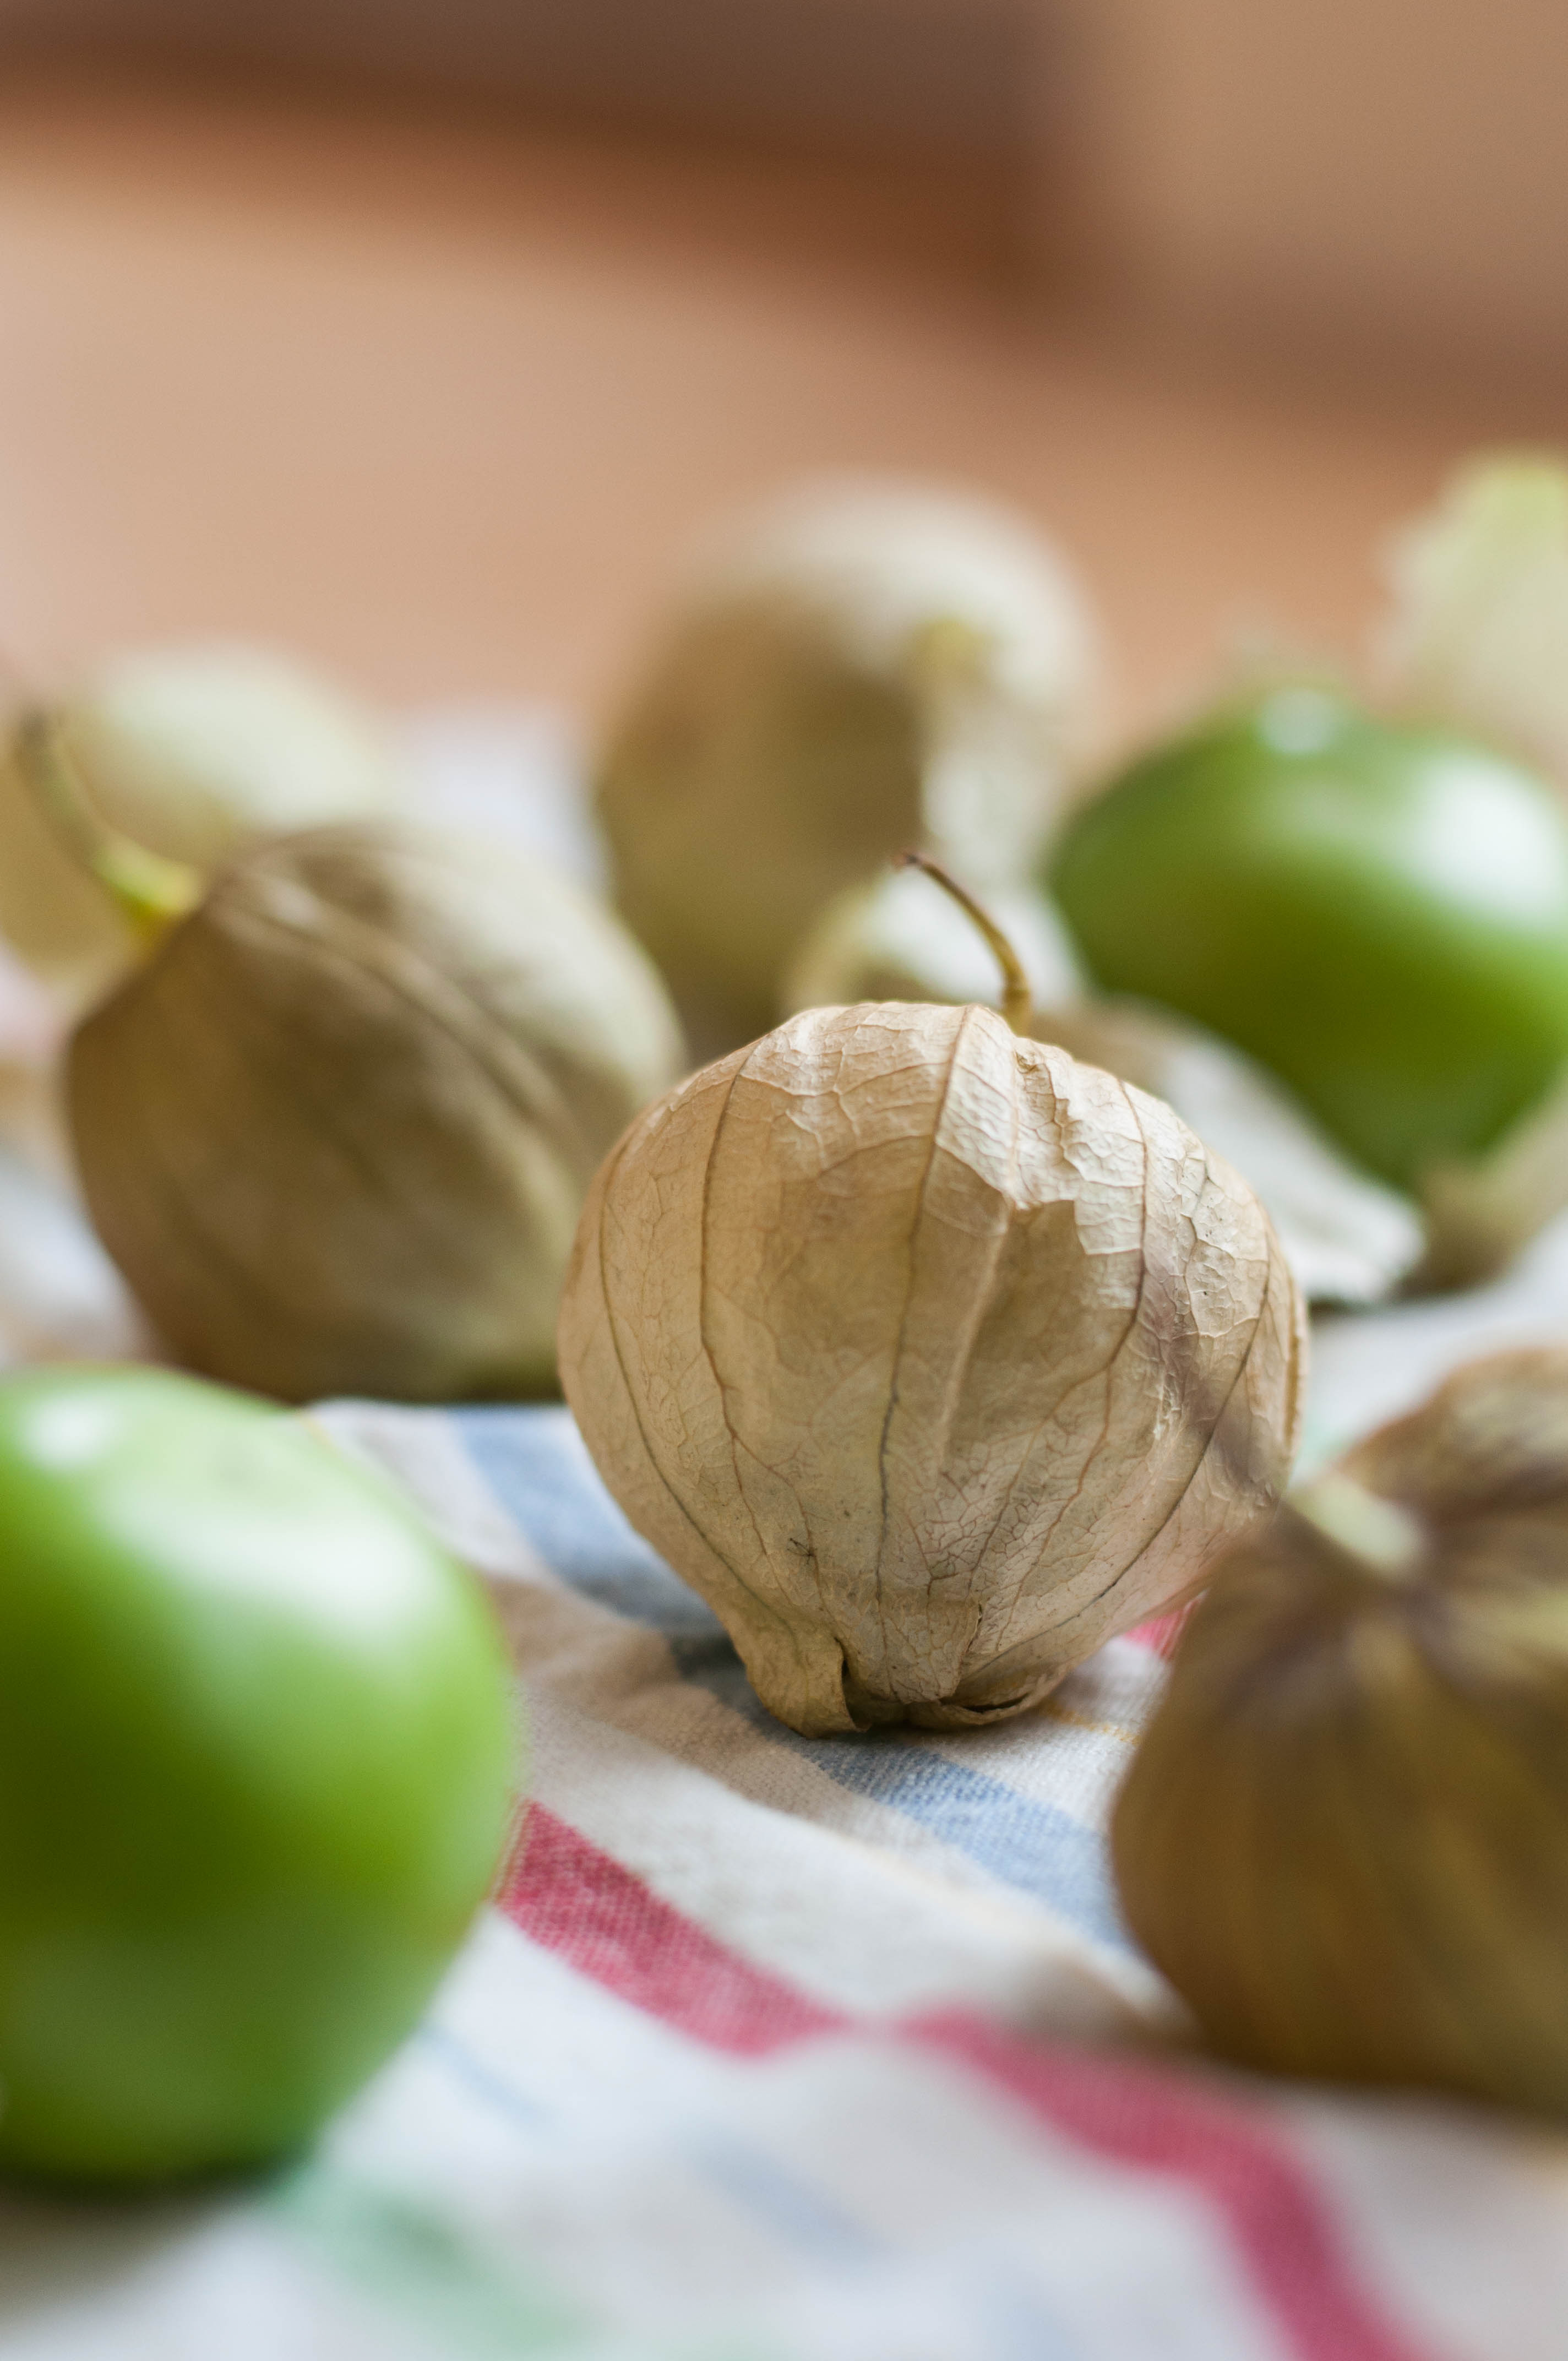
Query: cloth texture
[[783, 2049]]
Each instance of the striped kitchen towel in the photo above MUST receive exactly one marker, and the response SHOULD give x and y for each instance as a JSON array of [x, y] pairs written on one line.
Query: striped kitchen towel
[[784, 2050]]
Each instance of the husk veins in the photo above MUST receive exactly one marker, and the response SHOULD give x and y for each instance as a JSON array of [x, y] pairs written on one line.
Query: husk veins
[[930, 1357]]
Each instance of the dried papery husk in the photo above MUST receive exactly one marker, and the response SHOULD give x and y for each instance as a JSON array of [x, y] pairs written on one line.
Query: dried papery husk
[[191, 751], [858, 666], [930, 1357], [1350, 1239], [337, 1130], [1344, 1836]]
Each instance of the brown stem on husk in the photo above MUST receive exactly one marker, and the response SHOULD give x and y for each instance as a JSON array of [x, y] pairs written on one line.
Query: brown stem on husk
[[1017, 1000]]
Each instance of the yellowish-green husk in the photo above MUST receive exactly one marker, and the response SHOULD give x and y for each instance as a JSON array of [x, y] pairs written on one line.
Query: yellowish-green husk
[[336, 1130], [859, 667], [186, 753], [1344, 1836]]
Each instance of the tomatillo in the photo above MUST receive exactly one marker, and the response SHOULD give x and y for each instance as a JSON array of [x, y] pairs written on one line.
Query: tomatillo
[[1378, 912], [257, 1749]]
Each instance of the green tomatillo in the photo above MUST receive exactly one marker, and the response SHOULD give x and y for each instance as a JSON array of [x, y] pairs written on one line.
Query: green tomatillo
[[257, 1757], [1378, 912]]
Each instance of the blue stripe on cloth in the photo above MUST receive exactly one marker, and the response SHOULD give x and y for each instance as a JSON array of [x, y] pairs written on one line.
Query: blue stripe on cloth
[[1039, 1848], [535, 1464], [809, 2217], [793, 2210], [465, 2066], [1008, 2307]]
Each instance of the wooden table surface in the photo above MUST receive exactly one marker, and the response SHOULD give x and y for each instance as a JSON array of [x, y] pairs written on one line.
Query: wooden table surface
[[436, 398]]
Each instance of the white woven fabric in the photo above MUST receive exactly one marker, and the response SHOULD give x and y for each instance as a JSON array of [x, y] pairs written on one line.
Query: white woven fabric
[[777, 2049]]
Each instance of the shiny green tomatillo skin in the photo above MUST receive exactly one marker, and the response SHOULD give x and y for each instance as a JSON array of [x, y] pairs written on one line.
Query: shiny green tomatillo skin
[[257, 1756], [1378, 912]]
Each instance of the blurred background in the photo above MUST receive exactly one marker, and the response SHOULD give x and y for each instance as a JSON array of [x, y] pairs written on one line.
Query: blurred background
[[418, 335]]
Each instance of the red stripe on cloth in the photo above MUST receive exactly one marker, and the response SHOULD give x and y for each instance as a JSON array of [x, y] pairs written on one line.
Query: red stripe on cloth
[[574, 1900], [1162, 2120], [1161, 1633], [570, 1897]]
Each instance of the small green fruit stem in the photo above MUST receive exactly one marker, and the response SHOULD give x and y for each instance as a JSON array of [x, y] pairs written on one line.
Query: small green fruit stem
[[149, 892], [1017, 1000]]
